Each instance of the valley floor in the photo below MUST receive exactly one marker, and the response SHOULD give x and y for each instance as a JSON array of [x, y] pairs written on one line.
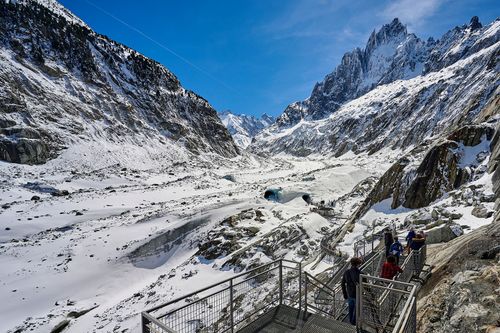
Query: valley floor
[[132, 235]]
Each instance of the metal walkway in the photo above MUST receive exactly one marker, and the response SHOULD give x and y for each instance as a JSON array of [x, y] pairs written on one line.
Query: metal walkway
[[281, 297], [285, 319]]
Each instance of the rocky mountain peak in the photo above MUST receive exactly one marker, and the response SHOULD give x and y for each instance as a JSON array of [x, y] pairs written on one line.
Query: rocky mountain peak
[[389, 32], [474, 23], [391, 54], [244, 128]]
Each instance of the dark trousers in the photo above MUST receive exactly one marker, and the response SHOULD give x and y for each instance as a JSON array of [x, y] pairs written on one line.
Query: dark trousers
[[351, 302], [387, 249]]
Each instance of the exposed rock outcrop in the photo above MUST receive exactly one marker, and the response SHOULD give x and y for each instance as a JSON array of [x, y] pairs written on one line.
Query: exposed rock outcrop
[[494, 167], [422, 176], [462, 293], [61, 83]]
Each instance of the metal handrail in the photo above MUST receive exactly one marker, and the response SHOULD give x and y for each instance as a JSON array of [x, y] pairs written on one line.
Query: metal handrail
[[150, 318], [230, 317], [213, 285], [275, 267]]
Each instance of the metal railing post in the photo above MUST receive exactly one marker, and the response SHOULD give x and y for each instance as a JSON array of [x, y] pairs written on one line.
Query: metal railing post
[[144, 324], [300, 286], [281, 282], [357, 309], [231, 309], [305, 294]]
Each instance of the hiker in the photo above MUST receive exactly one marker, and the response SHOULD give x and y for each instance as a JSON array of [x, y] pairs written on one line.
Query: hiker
[[409, 237], [388, 240], [390, 269], [396, 249], [350, 280], [418, 242]]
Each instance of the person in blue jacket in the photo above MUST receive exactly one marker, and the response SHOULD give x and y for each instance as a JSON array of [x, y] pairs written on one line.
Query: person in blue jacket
[[396, 249]]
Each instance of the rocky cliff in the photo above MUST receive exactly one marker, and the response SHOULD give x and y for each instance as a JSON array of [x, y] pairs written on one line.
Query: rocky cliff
[[462, 293], [394, 94], [62, 83], [435, 168]]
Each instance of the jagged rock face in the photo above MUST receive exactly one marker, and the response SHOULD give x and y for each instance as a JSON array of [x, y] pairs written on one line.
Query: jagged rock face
[[458, 86], [460, 295], [293, 114], [494, 166], [425, 174], [438, 172], [60, 83], [390, 54], [243, 128]]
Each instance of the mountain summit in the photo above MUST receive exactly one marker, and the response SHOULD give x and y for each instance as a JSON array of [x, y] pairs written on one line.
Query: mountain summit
[[394, 93], [390, 54]]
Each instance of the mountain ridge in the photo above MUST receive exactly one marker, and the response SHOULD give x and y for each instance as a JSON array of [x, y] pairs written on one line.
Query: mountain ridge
[[243, 128], [58, 91], [390, 54], [400, 113]]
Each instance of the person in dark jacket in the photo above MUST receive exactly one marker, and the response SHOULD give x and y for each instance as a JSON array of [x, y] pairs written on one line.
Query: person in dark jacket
[[396, 249], [409, 237], [418, 242], [388, 240], [390, 269], [350, 280]]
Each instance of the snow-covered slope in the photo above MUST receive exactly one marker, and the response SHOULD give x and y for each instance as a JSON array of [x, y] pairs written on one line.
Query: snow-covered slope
[[63, 84], [243, 128], [452, 91]]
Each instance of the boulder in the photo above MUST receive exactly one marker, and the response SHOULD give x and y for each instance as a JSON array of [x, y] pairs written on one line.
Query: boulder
[[25, 151], [482, 212], [443, 233], [487, 197], [421, 217]]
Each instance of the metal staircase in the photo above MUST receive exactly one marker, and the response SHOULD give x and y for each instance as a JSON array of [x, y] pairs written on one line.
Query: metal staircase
[[281, 297]]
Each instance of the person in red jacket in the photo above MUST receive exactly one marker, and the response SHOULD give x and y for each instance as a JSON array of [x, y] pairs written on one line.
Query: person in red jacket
[[390, 269]]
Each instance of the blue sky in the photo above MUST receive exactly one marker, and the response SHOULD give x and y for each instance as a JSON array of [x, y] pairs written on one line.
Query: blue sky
[[257, 56]]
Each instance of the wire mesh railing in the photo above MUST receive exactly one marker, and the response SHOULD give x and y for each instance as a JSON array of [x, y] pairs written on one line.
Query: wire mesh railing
[[230, 304], [382, 303], [366, 246], [320, 298], [413, 265]]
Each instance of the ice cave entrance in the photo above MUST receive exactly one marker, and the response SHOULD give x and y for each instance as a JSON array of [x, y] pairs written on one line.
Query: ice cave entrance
[[282, 196], [273, 194]]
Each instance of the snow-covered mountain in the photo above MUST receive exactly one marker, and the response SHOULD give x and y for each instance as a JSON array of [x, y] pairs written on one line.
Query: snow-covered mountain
[[243, 128], [62, 84], [397, 92], [128, 217]]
